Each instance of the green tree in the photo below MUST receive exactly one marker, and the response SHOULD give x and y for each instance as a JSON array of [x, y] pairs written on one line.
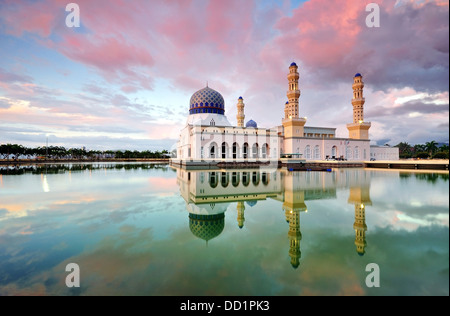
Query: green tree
[[422, 155], [444, 148], [441, 155], [431, 147]]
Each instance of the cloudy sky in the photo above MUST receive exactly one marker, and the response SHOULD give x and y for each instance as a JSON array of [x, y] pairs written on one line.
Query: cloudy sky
[[123, 79]]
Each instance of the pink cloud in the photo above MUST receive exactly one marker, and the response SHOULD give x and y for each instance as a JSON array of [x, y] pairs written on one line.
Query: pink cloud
[[32, 17]]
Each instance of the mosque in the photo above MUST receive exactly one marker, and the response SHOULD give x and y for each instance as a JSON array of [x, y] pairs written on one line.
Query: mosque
[[208, 136]]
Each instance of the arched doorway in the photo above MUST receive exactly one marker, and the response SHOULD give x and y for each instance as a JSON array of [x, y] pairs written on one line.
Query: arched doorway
[[255, 150], [245, 151], [235, 150], [334, 152], [213, 151]]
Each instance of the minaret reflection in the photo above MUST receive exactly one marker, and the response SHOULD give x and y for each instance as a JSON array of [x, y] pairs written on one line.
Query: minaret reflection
[[293, 205], [360, 197], [240, 214], [209, 194]]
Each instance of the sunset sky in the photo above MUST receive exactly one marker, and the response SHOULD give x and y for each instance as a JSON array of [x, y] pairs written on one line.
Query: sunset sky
[[123, 79]]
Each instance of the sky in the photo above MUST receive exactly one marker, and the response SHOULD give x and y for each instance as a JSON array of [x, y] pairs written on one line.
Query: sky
[[123, 79]]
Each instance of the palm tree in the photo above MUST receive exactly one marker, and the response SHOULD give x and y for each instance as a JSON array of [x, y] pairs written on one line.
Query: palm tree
[[419, 148], [431, 147]]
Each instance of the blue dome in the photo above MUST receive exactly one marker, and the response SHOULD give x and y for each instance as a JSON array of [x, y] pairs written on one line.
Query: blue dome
[[207, 100], [358, 75], [287, 102], [293, 64], [251, 203], [251, 123], [240, 98]]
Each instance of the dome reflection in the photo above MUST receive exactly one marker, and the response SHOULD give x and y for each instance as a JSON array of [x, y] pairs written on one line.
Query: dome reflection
[[210, 194]]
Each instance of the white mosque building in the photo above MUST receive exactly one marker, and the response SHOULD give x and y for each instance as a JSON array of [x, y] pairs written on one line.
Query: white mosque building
[[209, 138]]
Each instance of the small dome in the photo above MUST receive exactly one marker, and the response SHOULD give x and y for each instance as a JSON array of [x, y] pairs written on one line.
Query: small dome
[[358, 75], [240, 98], [293, 64], [251, 203], [251, 123], [287, 102], [207, 100]]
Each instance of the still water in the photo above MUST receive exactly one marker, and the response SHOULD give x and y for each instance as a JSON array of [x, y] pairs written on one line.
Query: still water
[[140, 229]]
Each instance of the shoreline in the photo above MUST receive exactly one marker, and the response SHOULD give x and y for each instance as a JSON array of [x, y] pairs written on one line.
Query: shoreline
[[4, 162], [310, 165]]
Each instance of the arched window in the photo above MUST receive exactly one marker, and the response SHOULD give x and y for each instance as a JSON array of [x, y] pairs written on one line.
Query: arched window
[[213, 179], [265, 178], [245, 150], [356, 152], [235, 150], [308, 152], [213, 150], [225, 179], [235, 178], [334, 152], [349, 153], [245, 178], [265, 150], [255, 151], [317, 152], [255, 178], [224, 150]]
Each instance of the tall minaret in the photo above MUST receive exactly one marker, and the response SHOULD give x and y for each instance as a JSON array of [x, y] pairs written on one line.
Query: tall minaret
[[358, 129], [240, 112], [293, 92], [358, 99], [293, 124]]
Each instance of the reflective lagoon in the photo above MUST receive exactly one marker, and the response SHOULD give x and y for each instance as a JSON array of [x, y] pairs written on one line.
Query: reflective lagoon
[[141, 229]]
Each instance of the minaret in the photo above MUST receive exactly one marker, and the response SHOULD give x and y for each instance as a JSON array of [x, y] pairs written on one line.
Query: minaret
[[293, 92], [240, 211], [240, 112], [358, 129], [360, 198], [293, 124]]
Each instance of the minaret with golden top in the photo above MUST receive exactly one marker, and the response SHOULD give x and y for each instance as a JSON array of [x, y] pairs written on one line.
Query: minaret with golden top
[[293, 124], [358, 129], [240, 112]]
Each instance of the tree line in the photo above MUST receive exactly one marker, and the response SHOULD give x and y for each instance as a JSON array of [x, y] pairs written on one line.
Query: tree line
[[16, 151], [429, 150]]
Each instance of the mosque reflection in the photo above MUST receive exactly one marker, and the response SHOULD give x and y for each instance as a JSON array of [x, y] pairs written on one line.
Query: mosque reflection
[[208, 195]]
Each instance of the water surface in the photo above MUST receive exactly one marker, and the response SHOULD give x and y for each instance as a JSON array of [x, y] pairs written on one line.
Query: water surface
[[140, 229]]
